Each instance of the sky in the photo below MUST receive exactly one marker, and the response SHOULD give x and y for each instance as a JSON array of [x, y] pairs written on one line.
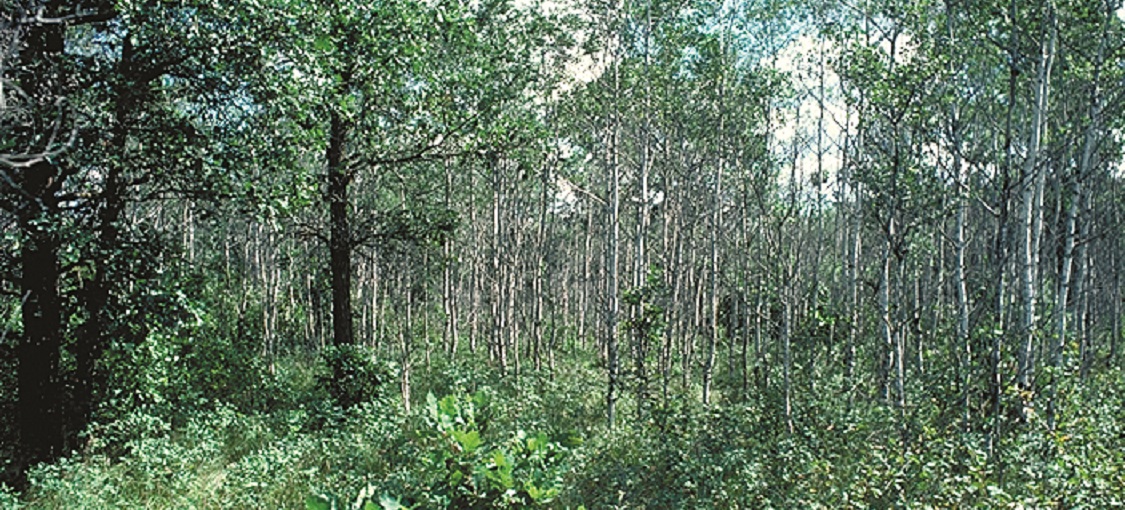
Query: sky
[[800, 125]]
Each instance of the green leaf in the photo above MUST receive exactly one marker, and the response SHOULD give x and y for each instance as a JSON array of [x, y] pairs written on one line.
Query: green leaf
[[469, 441], [317, 502], [387, 502], [536, 442], [448, 406], [323, 43], [500, 460]]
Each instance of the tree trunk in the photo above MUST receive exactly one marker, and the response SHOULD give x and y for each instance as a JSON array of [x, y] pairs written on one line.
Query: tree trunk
[[854, 272], [475, 285], [1116, 296], [964, 350], [713, 279], [406, 340], [39, 412], [585, 287], [497, 346], [613, 305], [887, 365], [340, 243], [448, 304], [787, 355], [1032, 211], [94, 335], [39, 408], [966, 347]]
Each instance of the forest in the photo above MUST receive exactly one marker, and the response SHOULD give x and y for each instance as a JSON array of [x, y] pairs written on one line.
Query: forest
[[571, 254]]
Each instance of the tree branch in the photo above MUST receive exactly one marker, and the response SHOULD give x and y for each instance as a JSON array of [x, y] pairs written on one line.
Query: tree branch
[[78, 18]]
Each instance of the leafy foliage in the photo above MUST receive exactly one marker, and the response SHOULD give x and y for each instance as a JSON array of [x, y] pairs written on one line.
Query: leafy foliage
[[462, 463], [488, 449], [355, 375]]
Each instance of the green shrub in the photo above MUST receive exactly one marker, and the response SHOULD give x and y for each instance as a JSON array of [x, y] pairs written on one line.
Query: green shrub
[[9, 498], [355, 375], [459, 462]]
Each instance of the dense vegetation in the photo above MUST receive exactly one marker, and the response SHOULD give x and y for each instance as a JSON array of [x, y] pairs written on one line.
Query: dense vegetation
[[493, 254], [496, 441]]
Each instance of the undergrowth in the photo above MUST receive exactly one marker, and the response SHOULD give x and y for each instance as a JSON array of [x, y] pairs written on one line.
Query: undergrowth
[[475, 439]]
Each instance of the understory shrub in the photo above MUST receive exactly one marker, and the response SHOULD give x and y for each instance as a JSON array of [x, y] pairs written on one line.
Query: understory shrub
[[540, 441], [355, 374], [460, 462]]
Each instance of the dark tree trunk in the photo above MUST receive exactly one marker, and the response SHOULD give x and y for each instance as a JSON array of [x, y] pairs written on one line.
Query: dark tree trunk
[[39, 391], [40, 394], [339, 244], [93, 337]]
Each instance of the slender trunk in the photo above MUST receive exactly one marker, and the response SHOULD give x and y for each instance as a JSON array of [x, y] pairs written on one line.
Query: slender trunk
[[885, 321], [538, 282], [1063, 295], [960, 171], [1115, 335], [854, 272], [512, 332], [697, 322], [934, 299], [1082, 289], [449, 329], [613, 234], [644, 205], [1032, 212], [498, 347], [375, 303], [744, 336], [787, 356], [406, 341], [713, 278], [1001, 250], [424, 299], [585, 287], [966, 348], [743, 314], [900, 347], [671, 279]]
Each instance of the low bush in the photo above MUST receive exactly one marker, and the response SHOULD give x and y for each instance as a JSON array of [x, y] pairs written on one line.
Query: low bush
[[355, 374]]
